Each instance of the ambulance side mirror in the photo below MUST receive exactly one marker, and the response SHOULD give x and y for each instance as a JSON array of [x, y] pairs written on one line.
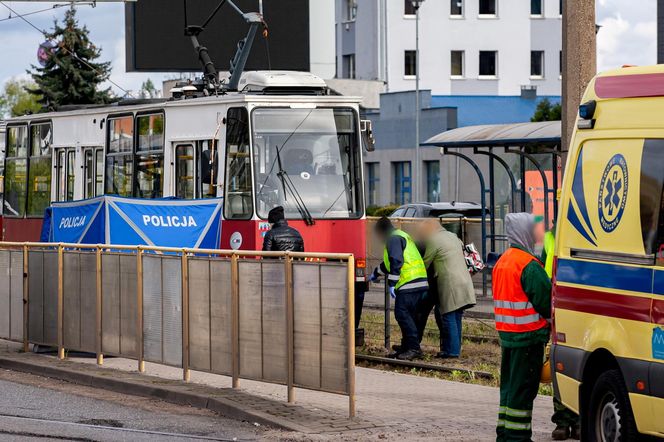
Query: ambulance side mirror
[[367, 135], [208, 167]]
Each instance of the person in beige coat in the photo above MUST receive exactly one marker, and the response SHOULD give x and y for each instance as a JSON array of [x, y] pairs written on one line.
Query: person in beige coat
[[444, 259]]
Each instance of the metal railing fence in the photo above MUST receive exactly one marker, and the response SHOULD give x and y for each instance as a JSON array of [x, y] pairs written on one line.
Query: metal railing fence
[[284, 318]]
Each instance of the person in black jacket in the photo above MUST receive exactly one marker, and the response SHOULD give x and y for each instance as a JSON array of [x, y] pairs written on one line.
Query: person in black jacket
[[282, 237]]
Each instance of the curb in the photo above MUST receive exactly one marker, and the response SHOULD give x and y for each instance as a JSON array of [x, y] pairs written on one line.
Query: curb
[[134, 388]]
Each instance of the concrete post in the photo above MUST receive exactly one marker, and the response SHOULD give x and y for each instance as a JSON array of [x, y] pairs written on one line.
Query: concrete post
[[579, 60]]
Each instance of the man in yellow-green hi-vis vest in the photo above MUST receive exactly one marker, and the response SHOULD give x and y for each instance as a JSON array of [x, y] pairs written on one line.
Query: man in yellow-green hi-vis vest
[[547, 252], [407, 283], [567, 422]]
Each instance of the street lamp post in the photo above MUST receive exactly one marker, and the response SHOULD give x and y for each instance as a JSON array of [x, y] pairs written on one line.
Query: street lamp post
[[417, 177]]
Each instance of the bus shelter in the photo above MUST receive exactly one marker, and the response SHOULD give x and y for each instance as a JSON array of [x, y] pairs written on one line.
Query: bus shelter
[[535, 148]]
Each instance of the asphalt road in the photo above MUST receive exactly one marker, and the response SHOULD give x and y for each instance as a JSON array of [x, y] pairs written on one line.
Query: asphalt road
[[35, 408]]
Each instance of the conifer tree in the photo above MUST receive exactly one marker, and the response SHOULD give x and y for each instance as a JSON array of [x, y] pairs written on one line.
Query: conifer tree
[[70, 74]]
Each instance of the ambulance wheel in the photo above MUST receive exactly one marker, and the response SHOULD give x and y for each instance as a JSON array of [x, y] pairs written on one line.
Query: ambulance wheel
[[610, 417]]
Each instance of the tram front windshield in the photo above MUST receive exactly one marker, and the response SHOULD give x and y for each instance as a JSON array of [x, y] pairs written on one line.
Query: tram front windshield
[[308, 161]]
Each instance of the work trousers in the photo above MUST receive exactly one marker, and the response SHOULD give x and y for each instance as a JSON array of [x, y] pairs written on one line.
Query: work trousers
[[563, 416], [520, 371], [406, 308], [429, 303]]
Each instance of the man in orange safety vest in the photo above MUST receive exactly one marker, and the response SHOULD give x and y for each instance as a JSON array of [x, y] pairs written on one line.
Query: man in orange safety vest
[[522, 306]]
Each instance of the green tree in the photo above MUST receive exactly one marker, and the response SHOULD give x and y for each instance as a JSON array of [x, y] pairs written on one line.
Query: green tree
[[71, 75], [547, 111], [148, 90], [15, 100]]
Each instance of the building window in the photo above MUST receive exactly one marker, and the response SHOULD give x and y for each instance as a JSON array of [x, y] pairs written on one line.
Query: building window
[[488, 7], [348, 66], [16, 171], [560, 64], [408, 8], [457, 61], [488, 63], [39, 170], [456, 8], [536, 8], [410, 63], [150, 156], [373, 183], [433, 181], [537, 64], [119, 156], [238, 203], [350, 10], [402, 182]]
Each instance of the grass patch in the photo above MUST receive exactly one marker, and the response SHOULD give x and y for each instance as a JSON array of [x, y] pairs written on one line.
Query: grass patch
[[480, 349]]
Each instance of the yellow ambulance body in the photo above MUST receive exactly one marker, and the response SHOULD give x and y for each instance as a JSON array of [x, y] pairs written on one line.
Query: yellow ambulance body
[[608, 326]]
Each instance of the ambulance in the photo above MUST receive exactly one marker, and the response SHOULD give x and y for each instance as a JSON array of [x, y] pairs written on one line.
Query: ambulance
[[608, 322]]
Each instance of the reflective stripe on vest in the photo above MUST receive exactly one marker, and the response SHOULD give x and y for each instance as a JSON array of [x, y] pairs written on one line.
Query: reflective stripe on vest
[[413, 266], [549, 246], [513, 310]]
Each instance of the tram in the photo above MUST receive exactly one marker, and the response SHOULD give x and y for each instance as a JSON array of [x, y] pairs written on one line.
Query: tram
[[282, 139]]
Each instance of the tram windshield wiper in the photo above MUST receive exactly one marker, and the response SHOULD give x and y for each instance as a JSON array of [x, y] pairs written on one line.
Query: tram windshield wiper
[[288, 186]]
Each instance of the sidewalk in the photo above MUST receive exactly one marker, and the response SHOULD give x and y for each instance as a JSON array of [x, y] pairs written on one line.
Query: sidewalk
[[390, 406]]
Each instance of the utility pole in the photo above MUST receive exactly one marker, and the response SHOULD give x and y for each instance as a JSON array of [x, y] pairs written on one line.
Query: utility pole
[[416, 177], [579, 61]]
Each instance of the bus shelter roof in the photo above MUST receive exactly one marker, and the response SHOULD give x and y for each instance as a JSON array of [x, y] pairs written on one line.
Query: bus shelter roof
[[490, 135]]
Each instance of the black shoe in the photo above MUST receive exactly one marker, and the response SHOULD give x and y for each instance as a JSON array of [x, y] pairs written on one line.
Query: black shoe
[[396, 347], [393, 355], [409, 355], [560, 433], [576, 432]]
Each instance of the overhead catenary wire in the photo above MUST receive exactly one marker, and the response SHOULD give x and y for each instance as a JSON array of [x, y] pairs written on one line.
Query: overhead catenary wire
[[69, 51], [25, 14]]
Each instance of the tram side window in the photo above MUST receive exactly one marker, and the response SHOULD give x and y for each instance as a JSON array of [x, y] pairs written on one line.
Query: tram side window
[[93, 171], [192, 170], [71, 168], [119, 158], [39, 172], [16, 170], [89, 167], [184, 170], [238, 203], [99, 172], [150, 156], [61, 173]]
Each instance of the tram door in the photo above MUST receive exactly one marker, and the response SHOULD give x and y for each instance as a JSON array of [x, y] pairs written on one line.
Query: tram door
[[65, 161], [93, 172], [193, 177]]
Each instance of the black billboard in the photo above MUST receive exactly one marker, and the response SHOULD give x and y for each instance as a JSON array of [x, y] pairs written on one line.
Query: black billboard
[[155, 39]]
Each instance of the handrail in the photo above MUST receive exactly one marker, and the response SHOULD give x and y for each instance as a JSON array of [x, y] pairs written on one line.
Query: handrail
[[188, 250]]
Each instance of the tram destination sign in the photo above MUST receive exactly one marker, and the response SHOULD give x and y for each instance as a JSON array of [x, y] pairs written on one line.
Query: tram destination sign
[[155, 40]]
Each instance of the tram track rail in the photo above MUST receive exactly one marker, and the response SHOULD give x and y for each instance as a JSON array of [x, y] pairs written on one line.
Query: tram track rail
[[115, 429], [422, 366]]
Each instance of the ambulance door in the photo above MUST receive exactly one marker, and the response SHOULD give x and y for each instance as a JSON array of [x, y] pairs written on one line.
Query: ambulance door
[[656, 372]]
